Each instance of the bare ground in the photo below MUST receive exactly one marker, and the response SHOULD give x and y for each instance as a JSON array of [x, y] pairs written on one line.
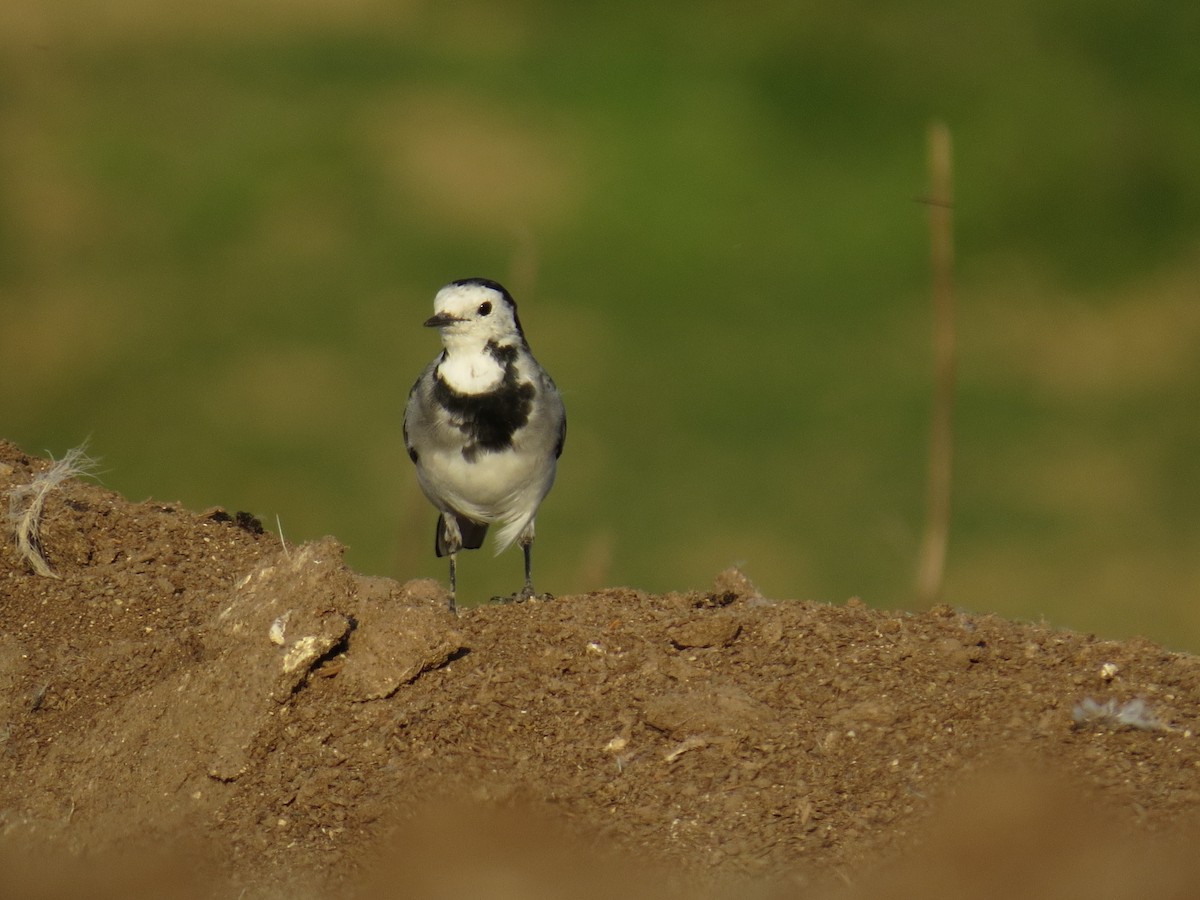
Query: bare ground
[[190, 708]]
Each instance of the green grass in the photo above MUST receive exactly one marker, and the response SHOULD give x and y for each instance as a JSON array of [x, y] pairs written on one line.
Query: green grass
[[219, 244]]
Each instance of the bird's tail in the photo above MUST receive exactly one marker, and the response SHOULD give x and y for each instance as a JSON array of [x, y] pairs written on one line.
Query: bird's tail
[[472, 533]]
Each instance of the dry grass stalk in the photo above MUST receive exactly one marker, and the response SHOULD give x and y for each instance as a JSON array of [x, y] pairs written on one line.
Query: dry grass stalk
[[932, 560]]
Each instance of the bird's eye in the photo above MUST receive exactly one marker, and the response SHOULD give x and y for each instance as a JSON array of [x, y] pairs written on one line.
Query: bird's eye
[[485, 307]]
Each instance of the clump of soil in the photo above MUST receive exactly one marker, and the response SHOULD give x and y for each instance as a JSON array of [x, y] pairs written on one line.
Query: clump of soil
[[287, 727]]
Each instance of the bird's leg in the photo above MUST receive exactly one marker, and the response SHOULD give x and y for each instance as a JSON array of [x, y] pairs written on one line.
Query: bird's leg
[[527, 591], [451, 542]]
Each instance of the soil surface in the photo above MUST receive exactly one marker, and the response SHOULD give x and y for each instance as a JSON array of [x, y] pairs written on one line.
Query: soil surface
[[189, 707]]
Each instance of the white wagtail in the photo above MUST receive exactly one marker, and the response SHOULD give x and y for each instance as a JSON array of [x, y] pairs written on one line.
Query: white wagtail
[[484, 424]]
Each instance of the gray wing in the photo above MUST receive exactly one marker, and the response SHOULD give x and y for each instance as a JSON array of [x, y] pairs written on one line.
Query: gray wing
[[415, 416], [550, 389]]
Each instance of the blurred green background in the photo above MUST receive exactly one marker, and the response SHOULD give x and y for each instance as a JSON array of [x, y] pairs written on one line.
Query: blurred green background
[[221, 228]]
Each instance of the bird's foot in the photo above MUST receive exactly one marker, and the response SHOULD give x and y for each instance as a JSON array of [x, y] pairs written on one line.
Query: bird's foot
[[525, 593]]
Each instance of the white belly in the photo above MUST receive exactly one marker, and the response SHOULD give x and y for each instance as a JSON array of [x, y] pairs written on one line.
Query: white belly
[[496, 487]]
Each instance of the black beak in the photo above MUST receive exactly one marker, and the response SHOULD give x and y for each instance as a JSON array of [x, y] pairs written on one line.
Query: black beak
[[441, 320]]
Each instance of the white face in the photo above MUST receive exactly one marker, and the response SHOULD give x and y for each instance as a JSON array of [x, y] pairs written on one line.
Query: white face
[[475, 312]]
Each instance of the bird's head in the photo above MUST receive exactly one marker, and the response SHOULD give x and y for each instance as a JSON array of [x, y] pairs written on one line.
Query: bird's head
[[476, 310]]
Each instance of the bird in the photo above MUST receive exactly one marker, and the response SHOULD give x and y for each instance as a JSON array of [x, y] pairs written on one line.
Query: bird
[[484, 424]]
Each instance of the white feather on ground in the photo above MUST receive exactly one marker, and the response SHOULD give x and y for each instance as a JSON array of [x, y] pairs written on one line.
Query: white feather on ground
[[26, 503]]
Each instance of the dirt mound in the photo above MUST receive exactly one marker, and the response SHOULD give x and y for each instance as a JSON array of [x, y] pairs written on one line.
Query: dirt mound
[[185, 680]]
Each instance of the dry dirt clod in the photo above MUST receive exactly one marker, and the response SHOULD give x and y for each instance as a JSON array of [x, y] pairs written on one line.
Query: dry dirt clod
[[708, 631]]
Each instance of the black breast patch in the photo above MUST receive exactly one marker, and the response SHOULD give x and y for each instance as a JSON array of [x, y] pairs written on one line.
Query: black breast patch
[[489, 421]]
